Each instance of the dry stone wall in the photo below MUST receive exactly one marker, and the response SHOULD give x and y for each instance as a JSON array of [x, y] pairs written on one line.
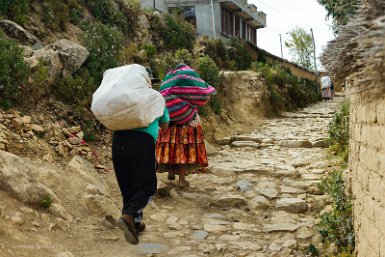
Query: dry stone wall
[[367, 163]]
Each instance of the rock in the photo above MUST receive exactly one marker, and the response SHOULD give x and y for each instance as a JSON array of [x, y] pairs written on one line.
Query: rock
[[26, 210], [229, 238], [17, 123], [210, 149], [91, 189], [321, 143], [291, 243], [247, 138], [230, 200], [37, 128], [152, 248], [64, 254], [245, 144], [143, 22], [51, 60], [246, 245], [74, 141], [296, 143], [72, 55], [267, 189], [215, 228], [17, 32], [59, 211], [16, 180], [101, 205], [274, 247], [280, 227], [294, 205], [244, 185], [48, 158], [27, 51], [81, 165], [16, 218], [283, 253], [224, 141], [259, 202], [200, 234]]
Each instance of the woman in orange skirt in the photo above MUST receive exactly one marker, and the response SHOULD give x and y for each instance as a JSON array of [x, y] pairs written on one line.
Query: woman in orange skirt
[[180, 149]]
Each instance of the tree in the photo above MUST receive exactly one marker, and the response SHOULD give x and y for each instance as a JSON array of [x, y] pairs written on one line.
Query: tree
[[301, 47], [339, 11]]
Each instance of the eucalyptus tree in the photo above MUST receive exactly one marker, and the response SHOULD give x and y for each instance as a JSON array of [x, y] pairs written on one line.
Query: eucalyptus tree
[[301, 47]]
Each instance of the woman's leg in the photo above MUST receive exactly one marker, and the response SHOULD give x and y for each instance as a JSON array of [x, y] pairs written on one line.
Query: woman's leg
[[182, 177]]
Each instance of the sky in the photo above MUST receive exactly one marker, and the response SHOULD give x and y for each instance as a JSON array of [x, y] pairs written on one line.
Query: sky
[[285, 15]]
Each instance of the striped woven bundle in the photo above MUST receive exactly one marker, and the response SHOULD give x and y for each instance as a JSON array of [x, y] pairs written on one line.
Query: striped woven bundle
[[184, 91]]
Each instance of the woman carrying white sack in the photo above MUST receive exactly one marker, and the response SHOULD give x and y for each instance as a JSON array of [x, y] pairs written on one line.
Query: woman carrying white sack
[[133, 103]]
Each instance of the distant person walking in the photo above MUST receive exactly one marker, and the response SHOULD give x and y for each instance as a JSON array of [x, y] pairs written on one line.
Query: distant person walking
[[180, 149], [326, 92]]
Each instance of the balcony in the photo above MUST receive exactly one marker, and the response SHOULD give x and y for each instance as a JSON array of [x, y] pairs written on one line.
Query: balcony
[[248, 12]]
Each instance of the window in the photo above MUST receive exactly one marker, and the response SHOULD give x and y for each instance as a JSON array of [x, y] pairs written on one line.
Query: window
[[187, 13], [227, 22]]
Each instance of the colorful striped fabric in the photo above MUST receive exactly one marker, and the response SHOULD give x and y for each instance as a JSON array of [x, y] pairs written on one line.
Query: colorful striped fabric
[[184, 91]]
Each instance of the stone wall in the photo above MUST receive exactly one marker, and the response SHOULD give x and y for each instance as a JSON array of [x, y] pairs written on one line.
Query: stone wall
[[367, 164], [297, 70]]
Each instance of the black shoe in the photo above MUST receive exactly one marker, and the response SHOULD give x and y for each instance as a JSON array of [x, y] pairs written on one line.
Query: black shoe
[[127, 225], [139, 226]]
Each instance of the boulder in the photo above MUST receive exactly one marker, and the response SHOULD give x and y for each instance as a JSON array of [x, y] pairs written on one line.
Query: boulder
[[50, 58], [16, 180], [259, 202], [72, 55], [17, 32], [230, 200], [210, 149], [245, 144]]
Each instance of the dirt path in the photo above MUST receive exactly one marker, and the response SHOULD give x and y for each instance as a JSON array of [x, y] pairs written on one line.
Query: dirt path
[[259, 199]]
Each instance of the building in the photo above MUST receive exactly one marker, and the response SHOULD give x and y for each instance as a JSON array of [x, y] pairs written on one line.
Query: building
[[217, 18]]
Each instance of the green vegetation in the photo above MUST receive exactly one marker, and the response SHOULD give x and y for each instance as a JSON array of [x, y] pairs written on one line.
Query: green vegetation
[[46, 202], [177, 33], [238, 54], [340, 11], [336, 226], [14, 72], [301, 47], [123, 16], [287, 91], [312, 251], [15, 10], [339, 132], [105, 45]]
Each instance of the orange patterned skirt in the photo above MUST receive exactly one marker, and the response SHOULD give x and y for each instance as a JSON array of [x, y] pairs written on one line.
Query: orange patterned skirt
[[181, 145]]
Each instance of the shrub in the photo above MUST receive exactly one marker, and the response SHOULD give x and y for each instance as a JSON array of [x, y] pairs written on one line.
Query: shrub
[[14, 72], [46, 201], [237, 51], [15, 10], [55, 14], [162, 63], [336, 226], [184, 56], [131, 54], [217, 51], [339, 132], [123, 15], [104, 44], [77, 89], [174, 31], [208, 70], [37, 87]]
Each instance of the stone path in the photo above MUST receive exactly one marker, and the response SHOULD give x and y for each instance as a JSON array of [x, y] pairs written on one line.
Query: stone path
[[260, 199]]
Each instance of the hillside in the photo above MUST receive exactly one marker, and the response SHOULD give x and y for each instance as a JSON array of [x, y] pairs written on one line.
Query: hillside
[[58, 192]]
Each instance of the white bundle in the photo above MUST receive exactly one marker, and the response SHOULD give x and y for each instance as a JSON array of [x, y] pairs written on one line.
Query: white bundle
[[125, 99]]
